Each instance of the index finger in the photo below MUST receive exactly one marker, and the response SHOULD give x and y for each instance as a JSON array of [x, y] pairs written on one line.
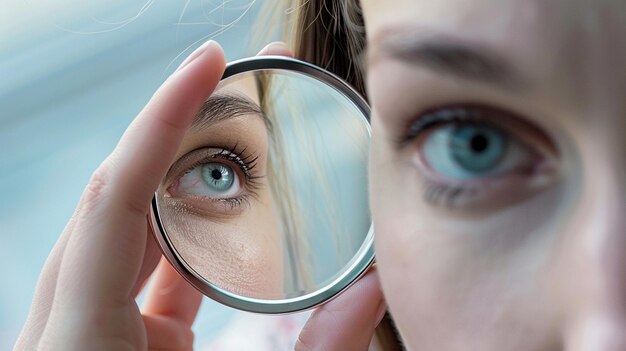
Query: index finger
[[148, 146], [106, 249]]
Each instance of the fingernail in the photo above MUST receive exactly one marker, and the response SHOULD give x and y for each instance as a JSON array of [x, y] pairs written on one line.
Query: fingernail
[[278, 46], [380, 314], [195, 54]]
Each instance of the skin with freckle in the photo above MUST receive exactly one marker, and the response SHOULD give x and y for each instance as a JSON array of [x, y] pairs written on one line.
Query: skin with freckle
[[492, 267]]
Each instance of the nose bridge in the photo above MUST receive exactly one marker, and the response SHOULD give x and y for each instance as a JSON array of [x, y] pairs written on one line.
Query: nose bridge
[[602, 220], [598, 232]]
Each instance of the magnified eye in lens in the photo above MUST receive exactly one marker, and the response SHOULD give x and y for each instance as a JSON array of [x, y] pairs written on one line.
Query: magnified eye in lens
[[267, 198]]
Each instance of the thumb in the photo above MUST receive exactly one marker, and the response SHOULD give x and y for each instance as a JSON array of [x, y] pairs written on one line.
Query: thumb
[[348, 321]]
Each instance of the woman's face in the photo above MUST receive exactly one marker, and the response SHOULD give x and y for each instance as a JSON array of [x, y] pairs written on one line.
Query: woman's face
[[498, 172]]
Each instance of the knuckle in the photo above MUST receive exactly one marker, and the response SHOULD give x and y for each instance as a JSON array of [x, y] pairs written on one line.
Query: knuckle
[[99, 190], [96, 187]]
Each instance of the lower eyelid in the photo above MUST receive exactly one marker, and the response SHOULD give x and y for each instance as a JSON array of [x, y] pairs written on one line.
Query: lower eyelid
[[213, 208], [489, 192], [481, 196]]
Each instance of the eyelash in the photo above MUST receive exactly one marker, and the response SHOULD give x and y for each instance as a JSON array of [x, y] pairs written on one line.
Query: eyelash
[[445, 195], [442, 116], [246, 162], [234, 202], [448, 194]]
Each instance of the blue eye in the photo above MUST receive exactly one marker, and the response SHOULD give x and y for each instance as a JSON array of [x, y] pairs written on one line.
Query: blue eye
[[467, 150], [213, 179], [477, 148], [218, 176]]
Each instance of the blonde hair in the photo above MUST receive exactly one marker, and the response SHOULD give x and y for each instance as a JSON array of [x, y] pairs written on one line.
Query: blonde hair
[[327, 33], [290, 217], [330, 34], [298, 219]]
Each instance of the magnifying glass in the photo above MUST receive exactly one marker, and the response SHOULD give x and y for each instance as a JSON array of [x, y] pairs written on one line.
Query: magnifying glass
[[265, 208]]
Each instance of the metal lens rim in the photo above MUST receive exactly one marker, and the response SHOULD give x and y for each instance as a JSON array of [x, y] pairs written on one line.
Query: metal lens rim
[[359, 264]]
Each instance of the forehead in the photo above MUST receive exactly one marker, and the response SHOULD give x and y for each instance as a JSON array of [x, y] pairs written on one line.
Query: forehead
[[571, 47], [559, 24], [486, 15]]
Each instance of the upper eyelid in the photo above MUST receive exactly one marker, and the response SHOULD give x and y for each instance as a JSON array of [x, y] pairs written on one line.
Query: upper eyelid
[[494, 117], [217, 158], [182, 164], [436, 116], [245, 162]]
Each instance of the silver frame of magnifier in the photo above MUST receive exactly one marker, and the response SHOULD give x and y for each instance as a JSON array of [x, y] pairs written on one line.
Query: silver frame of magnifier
[[357, 266]]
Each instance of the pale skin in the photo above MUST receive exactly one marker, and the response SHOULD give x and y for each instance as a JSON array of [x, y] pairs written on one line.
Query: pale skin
[[85, 297], [499, 268]]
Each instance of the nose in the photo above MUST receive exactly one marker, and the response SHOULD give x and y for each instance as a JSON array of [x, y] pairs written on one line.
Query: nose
[[597, 315]]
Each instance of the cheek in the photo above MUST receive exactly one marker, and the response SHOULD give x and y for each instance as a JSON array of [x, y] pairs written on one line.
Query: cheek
[[447, 295], [243, 255], [454, 283]]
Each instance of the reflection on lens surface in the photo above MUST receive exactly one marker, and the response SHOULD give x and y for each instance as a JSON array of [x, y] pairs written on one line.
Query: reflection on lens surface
[[267, 197]]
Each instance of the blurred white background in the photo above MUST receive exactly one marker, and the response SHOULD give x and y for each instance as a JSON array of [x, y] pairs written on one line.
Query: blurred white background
[[72, 76]]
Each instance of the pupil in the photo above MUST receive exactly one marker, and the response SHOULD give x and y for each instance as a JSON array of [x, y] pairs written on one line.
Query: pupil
[[479, 143], [216, 174]]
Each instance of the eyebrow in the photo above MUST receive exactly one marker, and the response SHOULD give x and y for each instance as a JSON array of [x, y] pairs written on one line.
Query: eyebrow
[[223, 106], [452, 57]]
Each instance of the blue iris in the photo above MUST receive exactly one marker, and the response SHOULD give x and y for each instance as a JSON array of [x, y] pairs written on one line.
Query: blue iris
[[218, 176], [477, 148]]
